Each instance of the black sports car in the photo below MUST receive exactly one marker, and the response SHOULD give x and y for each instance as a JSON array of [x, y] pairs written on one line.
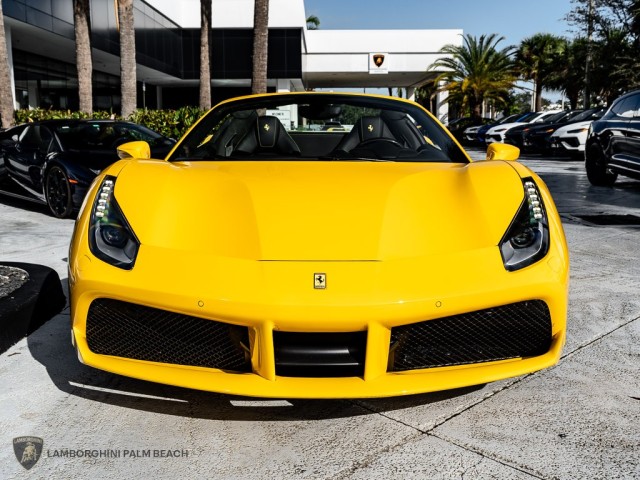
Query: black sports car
[[55, 161]]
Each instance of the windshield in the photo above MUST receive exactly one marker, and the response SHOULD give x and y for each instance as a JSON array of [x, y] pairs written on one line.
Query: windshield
[[591, 114], [314, 126], [104, 135]]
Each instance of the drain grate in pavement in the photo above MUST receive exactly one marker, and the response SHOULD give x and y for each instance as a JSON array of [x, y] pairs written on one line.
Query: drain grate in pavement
[[611, 219]]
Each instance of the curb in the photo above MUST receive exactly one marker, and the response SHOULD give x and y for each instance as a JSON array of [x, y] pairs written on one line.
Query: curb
[[29, 307]]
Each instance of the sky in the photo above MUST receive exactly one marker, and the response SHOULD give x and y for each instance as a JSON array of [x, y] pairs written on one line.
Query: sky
[[512, 19]]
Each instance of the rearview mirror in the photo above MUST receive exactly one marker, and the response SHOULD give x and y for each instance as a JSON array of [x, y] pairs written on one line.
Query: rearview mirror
[[502, 151], [138, 149]]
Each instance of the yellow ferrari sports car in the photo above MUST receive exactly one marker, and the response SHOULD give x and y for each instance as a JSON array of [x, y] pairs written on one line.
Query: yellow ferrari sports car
[[269, 256]]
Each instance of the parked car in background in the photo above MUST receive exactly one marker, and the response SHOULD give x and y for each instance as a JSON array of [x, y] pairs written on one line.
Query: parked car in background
[[55, 161], [475, 135], [537, 138], [7, 138], [515, 136], [571, 138], [613, 142], [497, 133], [458, 126]]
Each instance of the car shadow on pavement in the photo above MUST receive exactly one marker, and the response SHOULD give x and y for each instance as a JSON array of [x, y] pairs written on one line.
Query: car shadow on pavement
[[51, 346], [23, 203]]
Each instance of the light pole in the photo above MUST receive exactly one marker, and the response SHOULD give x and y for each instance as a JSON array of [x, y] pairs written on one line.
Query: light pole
[[587, 93]]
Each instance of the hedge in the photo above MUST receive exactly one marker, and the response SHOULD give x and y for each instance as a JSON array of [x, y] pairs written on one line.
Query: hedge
[[170, 123]]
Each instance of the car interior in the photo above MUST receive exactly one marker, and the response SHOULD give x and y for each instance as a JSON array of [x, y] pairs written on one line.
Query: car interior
[[319, 131]]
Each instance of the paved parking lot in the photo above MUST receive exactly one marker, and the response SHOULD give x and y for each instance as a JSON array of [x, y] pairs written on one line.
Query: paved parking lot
[[576, 420]]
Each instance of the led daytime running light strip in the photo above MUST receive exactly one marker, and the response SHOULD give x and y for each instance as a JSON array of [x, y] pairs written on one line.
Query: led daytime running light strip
[[533, 198], [103, 198]]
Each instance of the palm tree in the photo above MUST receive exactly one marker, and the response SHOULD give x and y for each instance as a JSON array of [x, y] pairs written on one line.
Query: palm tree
[[476, 71], [127, 58], [84, 63], [537, 59], [615, 65], [570, 73], [205, 54], [260, 46], [6, 96], [313, 22]]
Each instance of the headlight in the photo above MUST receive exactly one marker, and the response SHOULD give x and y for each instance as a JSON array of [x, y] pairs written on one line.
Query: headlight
[[111, 239], [579, 130], [527, 238]]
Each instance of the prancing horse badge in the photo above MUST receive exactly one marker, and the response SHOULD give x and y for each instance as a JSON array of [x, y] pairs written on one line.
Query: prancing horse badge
[[320, 280]]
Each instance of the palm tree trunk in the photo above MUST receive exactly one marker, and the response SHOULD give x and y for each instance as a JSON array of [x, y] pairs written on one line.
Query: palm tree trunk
[[205, 54], [538, 105], [260, 46], [83, 54], [127, 58], [6, 96]]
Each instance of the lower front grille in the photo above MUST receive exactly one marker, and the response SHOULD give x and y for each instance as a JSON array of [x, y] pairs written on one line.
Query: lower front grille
[[319, 354], [520, 329], [128, 330]]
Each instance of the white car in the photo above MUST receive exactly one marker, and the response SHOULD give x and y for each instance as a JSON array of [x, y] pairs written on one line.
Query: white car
[[470, 135], [497, 133], [571, 138]]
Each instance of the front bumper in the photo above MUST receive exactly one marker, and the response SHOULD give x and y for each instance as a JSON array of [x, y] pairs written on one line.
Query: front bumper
[[266, 298]]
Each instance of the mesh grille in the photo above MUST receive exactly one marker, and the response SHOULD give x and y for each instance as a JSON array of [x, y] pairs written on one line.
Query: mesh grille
[[133, 331], [520, 329]]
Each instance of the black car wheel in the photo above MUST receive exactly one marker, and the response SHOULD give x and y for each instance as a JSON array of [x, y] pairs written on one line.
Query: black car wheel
[[596, 166], [58, 193]]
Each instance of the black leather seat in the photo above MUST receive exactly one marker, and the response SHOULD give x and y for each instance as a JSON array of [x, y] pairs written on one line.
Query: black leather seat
[[267, 136], [227, 138]]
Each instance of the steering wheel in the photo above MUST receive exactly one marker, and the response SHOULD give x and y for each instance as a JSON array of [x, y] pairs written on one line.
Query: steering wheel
[[372, 141]]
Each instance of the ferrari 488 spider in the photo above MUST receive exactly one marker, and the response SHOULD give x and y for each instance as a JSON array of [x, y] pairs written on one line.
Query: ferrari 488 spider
[[268, 257]]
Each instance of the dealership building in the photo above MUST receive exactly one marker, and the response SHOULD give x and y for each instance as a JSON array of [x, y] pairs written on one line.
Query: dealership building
[[41, 53]]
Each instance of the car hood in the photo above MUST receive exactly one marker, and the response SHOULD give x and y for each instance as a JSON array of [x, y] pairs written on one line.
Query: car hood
[[299, 211], [572, 126], [504, 126]]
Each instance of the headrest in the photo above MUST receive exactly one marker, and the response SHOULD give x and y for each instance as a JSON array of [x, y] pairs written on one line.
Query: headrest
[[373, 128], [268, 131]]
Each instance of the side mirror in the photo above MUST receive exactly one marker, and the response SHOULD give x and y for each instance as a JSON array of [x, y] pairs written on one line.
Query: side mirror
[[138, 149], [502, 151]]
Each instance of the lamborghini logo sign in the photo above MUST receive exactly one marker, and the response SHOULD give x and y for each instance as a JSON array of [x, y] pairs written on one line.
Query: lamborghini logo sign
[[378, 63], [28, 450]]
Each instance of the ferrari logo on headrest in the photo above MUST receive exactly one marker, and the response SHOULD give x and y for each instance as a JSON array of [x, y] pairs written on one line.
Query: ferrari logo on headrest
[[266, 127], [378, 60], [370, 128]]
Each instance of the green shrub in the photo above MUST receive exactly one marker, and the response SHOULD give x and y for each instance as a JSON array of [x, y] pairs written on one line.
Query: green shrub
[[170, 123]]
